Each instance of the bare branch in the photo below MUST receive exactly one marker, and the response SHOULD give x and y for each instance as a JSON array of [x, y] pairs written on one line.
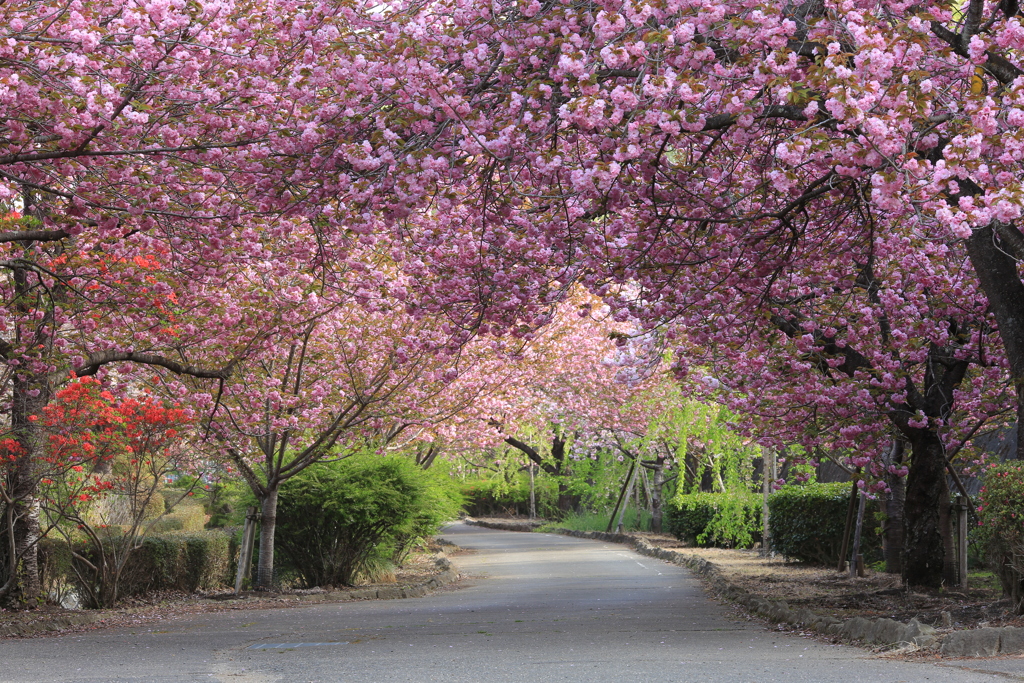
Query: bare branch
[[998, 67], [76, 153], [1011, 239], [772, 111], [34, 236], [98, 360]]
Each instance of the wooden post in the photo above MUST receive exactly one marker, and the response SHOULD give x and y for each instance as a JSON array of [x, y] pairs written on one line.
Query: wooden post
[[962, 513], [533, 495], [245, 552], [625, 502], [622, 495], [851, 510], [856, 536], [766, 488]]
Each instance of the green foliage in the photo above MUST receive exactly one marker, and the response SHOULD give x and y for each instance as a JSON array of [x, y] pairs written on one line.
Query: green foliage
[[727, 520], [806, 523], [440, 501], [707, 445], [334, 517], [1001, 529], [633, 520], [183, 561], [224, 500], [596, 481], [184, 518], [55, 570], [186, 561], [500, 495]]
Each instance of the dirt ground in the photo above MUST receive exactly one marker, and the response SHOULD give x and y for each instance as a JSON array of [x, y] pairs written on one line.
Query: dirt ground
[[825, 591], [154, 607]]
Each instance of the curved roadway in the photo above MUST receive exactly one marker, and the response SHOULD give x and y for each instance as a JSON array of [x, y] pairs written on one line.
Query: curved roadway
[[537, 607]]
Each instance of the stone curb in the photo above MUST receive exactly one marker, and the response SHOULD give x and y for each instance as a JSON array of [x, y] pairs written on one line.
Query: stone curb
[[981, 642], [449, 574]]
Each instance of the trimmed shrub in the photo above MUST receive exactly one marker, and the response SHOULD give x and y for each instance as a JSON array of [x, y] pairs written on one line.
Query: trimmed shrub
[[184, 561], [725, 520], [332, 518], [1001, 529], [806, 523]]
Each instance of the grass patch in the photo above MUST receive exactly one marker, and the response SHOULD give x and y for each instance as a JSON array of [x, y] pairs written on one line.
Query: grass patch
[[983, 580]]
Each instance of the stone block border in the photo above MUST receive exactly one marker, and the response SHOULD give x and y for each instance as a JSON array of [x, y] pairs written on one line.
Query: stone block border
[[448, 574], [981, 642]]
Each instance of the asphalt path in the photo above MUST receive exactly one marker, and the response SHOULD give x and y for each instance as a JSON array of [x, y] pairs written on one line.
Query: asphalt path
[[536, 607]]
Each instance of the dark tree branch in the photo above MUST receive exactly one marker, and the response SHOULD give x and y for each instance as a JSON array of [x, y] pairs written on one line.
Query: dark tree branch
[[998, 67], [98, 360], [791, 112], [34, 236], [1010, 239], [531, 453]]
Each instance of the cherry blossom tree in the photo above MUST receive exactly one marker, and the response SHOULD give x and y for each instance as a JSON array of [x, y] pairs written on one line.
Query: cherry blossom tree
[[672, 154], [349, 376], [156, 151]]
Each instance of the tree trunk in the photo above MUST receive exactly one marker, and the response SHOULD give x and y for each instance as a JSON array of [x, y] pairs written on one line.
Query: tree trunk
[[268, 524], [689, 466], [997, 272], [892, 508], [927, 496], [25, 480], [425, 455]]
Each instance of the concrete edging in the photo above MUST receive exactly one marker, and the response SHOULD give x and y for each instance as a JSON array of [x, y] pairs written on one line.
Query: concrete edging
[[981, 642]]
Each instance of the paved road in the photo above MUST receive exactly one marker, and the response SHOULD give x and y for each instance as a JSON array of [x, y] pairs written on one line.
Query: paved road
[[540, 608]]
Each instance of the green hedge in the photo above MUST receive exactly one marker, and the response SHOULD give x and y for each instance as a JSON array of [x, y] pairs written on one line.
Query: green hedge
[[806, 523], [727, 520], [185, 560]]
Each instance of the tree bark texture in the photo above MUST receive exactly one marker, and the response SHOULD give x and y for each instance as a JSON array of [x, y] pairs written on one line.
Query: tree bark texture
[[997, 272], [24, 482], [268, 524], [927, 495], [892, 508]]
